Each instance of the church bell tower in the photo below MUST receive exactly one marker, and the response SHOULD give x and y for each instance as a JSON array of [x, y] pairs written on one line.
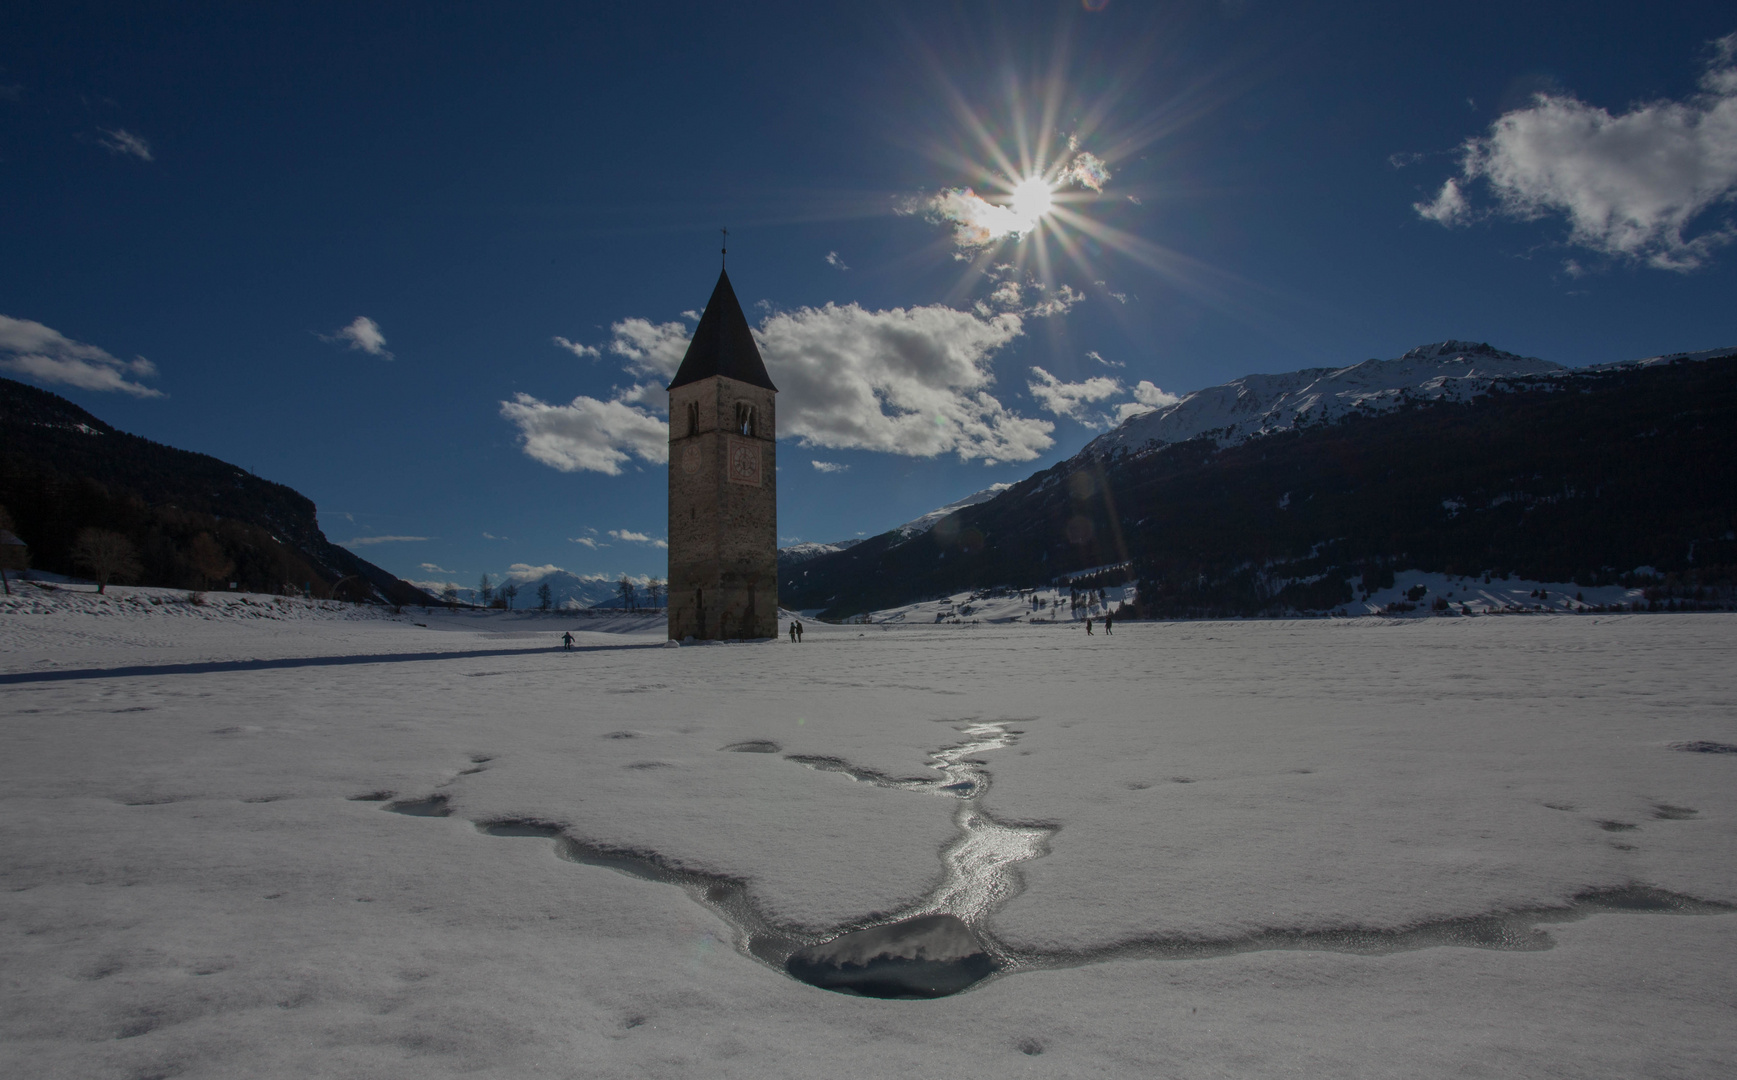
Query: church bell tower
[[723, 482]]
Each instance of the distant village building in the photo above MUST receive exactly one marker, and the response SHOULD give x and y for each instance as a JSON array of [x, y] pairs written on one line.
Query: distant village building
[[723, 482]]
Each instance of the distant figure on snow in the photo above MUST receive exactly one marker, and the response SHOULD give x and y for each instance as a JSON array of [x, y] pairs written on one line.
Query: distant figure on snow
[[1106, 624], [792, 631], [1088, 626], [567, 641], [798, 633]]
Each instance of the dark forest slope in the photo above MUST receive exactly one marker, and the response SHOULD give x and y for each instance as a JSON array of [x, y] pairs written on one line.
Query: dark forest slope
[[63, 470], [1578, 477]]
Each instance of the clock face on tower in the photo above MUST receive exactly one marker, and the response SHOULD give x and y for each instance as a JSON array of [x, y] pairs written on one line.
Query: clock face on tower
[[691, 459], [744, 461]]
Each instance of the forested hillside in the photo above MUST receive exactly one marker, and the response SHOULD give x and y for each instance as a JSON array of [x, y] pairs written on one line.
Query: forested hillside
[[1571, 477], [192, 520]]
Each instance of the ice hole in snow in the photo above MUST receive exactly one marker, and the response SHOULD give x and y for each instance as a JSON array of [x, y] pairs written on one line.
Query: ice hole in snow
[[941, 945]]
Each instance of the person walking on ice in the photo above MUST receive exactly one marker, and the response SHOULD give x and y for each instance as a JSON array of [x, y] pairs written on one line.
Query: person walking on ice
[[567, 641], [792, 631], [1088, 626], [798, 633], [1106, 624]]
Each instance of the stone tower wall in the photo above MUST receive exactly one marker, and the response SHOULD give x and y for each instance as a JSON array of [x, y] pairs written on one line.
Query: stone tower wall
[[723, 512]]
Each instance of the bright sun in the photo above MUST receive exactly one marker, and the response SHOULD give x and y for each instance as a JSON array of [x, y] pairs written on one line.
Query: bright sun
[[1032, 199]]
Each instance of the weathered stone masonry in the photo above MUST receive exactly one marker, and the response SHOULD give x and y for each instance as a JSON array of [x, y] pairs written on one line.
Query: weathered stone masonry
[[723, 482]]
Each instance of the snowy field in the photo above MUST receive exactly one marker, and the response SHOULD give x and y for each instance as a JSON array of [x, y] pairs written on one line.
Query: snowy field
[[1495, 847]]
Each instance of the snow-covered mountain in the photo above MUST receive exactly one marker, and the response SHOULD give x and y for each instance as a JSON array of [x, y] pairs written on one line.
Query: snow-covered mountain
[[918, 526], [1260, 404], [797, 554], [567, 590]]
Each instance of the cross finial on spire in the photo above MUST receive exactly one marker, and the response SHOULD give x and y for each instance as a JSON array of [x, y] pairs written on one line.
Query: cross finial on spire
[[725, 250]]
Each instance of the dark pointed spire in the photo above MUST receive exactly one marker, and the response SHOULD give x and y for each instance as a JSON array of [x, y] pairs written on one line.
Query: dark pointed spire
[[723, 344]]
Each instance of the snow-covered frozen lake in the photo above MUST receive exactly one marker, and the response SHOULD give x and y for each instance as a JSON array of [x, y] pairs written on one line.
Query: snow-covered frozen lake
[[1290, 848]]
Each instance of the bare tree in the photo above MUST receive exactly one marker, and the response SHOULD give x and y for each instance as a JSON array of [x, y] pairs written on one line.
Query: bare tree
[[545, 596], [654, 593], [449, 595], [485, 590], [509, 593], [14, 554], [209, 563], [108, 556], [627, 591]]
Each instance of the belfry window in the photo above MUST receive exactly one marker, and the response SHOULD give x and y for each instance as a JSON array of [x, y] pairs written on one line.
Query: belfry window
[[745, 418], [693, 418]]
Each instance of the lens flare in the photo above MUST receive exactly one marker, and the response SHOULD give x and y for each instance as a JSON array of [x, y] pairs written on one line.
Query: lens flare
[[1032, 199]]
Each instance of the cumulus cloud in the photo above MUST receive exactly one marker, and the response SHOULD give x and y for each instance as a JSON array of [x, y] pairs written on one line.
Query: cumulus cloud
[[519, 573], [1057, 303], [1449, 207], [39, 352], [904, 381], [364, 541], [829, 466], [977, 222], [1147, 398], [1074, 400], [587, 541], [1085, 170], [590, 352], [631, 537], [364, 334], [835, 262], [587, 434], [433, 568], [652, 350], [121, 141], [1630, 185]]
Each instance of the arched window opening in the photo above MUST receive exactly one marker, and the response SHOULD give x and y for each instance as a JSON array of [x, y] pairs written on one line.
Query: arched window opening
[[745, 418], [693, 418]]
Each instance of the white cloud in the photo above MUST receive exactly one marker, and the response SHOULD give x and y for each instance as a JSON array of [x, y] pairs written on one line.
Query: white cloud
[[1449, 207], [587, 541], [519, 573], [1064, 298], [121, 141], [587, 434], [31, 349], [363, 333], [631, 537], [834, 261], [591, 352], [1095, 355], [364, 541], [492, 536], [829, 466], [977, 222], [1630, 185], [431, 568], [1147, 397], [651, 349], [903, 381], [1085, 170], [1074, 400]]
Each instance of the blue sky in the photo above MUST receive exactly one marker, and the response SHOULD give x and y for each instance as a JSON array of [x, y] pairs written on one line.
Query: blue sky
[[428, 263]]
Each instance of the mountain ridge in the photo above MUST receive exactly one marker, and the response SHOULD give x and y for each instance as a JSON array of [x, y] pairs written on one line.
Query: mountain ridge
[[1246, 521]]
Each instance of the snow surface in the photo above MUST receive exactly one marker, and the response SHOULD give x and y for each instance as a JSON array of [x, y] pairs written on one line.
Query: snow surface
[[196, 883], [1256, 405]]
